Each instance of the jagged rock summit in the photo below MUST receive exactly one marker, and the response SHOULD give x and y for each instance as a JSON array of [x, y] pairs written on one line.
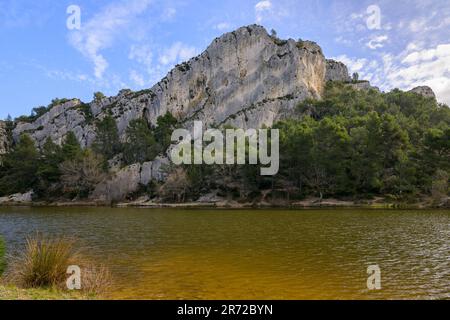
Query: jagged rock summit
[[424, 91], [246, 78]]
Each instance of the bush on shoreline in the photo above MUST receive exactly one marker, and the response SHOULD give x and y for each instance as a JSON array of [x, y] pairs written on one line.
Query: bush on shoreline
[[43, 265], [2, 256]]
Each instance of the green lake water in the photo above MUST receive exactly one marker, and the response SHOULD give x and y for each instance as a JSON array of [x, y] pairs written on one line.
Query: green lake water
[[253, 254]]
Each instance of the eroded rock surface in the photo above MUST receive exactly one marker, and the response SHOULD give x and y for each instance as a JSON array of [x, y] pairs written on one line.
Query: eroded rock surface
[[246, 78], [336, 71], [424, 91], [4, 141]]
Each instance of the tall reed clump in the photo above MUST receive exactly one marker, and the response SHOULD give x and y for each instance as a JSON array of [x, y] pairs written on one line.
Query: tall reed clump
[[2, 256], [44, 263]]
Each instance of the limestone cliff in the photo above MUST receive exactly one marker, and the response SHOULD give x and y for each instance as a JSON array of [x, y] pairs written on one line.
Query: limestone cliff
[[424, 91], [336, 71], [4, 143], [246, 78]]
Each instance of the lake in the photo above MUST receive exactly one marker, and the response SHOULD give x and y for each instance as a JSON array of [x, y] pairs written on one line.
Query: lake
[[253, 254]]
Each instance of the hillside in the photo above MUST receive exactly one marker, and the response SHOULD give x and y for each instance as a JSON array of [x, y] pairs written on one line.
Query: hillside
[[244, 79]]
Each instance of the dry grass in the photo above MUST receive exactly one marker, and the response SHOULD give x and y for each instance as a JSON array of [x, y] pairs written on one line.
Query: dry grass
[[2, 256], [44, 263]]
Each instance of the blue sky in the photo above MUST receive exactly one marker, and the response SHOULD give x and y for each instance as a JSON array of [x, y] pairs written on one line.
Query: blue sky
[[134, 43]]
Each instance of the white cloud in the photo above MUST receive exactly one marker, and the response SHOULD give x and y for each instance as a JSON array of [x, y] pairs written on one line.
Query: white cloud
[[177, 53], [261, 8], [100, 31], [424, 67], [342, 40], [441, 51], [222, 26], [417, 25], [137, 78], [141, 54], [377, 42], [263, 5], [353, 65]]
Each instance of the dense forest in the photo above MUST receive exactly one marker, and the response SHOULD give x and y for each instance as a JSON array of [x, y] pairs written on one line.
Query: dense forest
[[352, 144]]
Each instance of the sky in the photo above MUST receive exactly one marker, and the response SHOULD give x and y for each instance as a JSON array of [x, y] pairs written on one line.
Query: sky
[[71, 49]]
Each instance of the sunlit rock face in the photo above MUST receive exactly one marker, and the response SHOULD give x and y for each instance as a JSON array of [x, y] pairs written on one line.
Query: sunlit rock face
[[4, 141], [336, 71], [424, 91], [245, 78]]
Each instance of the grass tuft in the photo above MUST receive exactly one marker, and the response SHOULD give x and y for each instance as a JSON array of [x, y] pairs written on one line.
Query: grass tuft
[[2, 256], [44, 263]]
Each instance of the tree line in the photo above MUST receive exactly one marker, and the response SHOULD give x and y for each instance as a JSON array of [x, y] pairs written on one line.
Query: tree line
[[71, 171], [352, 144]]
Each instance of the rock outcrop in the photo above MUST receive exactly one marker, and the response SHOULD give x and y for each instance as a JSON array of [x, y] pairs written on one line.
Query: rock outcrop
[[363, 85], [129, 179], [56, 123], [424, 91], [4, 140], [245, 78], [336, 71], [18, 198]]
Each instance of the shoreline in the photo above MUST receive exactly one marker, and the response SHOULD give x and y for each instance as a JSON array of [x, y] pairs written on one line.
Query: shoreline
[[306, 204]]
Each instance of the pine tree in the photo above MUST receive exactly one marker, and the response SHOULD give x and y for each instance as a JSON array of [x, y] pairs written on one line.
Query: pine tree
[[19, 172], [107, 142], [71, 148]]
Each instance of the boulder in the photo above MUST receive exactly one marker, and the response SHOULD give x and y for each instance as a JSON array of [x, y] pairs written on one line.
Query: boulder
[[424, 91], [336, 71], [18, 198], [119, 186]]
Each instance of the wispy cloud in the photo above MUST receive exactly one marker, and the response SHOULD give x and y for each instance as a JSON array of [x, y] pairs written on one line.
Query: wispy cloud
[[261, 8], [176, 53], [223, 26], [99, 32], [377, 42]]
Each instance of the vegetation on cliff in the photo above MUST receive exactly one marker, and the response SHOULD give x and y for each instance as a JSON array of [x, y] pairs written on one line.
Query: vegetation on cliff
[[359, 143], [353, 144], [350, 144], [69, 171]]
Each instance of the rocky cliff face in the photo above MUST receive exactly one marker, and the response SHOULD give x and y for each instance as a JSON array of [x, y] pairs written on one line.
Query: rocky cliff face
[[336, 71], [4, 143], [245, 78], [57, 123], [424, 91]]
